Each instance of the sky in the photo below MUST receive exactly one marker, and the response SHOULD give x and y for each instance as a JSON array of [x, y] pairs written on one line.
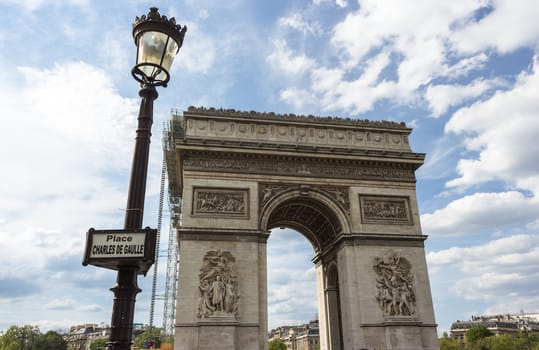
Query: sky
[[464, 74]]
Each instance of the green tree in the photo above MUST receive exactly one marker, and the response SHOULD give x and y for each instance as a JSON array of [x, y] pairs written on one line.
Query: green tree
[[501, 342], [528, 341], [16, 338], [446, 343], [50, 340], [99, 344], [474, 334], [145, 337], [276, 344]]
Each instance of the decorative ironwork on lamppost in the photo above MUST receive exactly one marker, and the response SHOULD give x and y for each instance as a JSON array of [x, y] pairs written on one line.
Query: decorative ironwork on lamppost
[[131, 251]]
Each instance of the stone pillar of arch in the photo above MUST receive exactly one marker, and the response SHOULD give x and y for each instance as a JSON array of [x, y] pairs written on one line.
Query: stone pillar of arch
[[347, 185]]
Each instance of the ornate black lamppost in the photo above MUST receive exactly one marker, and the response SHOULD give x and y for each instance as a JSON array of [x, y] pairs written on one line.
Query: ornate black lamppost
[[158, 40]]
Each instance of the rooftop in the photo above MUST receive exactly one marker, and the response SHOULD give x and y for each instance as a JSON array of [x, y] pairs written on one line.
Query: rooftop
[[290, 117]]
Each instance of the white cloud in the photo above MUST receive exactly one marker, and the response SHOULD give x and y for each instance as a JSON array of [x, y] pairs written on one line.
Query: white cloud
[[465, 65], [479, 212], [357, 95], [502, 132], [297, 22], [90, 308], [299, 99], [423, 60], [502, 272], [295, 291], [61, 304], [405, 26], [422, 41], [198, 53], [510, 25], [283, 59], [340, 3], [471, 259], [70, 140], [441, 97], [325, 79], [114, 52], [398, 48], [87, 109]]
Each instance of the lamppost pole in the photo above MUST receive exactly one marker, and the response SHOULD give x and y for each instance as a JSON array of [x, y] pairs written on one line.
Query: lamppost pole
[[139, 169], [158, 40], [126, 288]]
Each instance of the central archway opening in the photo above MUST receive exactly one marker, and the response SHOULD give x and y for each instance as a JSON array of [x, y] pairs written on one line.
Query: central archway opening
[[291, 279], [303, 282]]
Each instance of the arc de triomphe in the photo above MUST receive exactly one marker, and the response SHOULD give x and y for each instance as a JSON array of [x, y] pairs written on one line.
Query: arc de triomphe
[[347, 185]]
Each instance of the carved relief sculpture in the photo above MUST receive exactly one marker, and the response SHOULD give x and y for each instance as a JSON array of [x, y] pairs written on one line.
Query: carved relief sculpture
[[339, 194], [220, 202], [218, 286], [385, 210], [268, 191], [395, 285]]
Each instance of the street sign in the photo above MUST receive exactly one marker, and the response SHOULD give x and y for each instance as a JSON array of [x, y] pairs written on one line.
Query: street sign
[[114, 248]]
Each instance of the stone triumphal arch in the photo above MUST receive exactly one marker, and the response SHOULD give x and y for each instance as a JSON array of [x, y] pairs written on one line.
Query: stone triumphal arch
[[347, 185]]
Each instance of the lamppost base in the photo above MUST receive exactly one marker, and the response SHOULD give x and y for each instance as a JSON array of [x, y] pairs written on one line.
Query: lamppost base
[[125, 291]]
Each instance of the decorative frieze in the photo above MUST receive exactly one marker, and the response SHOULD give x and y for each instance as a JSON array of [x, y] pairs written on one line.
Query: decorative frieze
[[218, 286], [395, 290], [385, 210], [269, 127], [300, 167], [220, 202]]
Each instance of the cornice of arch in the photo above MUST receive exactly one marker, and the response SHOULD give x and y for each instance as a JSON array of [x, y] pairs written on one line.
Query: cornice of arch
[[298, 165], [299, 149]]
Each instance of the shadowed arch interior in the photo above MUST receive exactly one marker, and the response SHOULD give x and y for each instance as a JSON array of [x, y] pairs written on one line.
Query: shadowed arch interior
[[309, 217]]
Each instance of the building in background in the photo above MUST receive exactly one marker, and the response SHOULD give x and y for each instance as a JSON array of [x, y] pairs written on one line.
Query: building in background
[[81, 336], [302, 337], [498, 324]]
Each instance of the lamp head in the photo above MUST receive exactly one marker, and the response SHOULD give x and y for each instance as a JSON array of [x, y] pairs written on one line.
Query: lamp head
[[158, 40]]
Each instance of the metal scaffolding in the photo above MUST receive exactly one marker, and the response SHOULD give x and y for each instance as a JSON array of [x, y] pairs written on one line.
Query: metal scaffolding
[[172, 253], [174, 202], [158, 239]]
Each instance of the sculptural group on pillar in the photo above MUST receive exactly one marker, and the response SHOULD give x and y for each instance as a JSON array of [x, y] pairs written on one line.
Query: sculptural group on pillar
[[218, 286], [394, 283]]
